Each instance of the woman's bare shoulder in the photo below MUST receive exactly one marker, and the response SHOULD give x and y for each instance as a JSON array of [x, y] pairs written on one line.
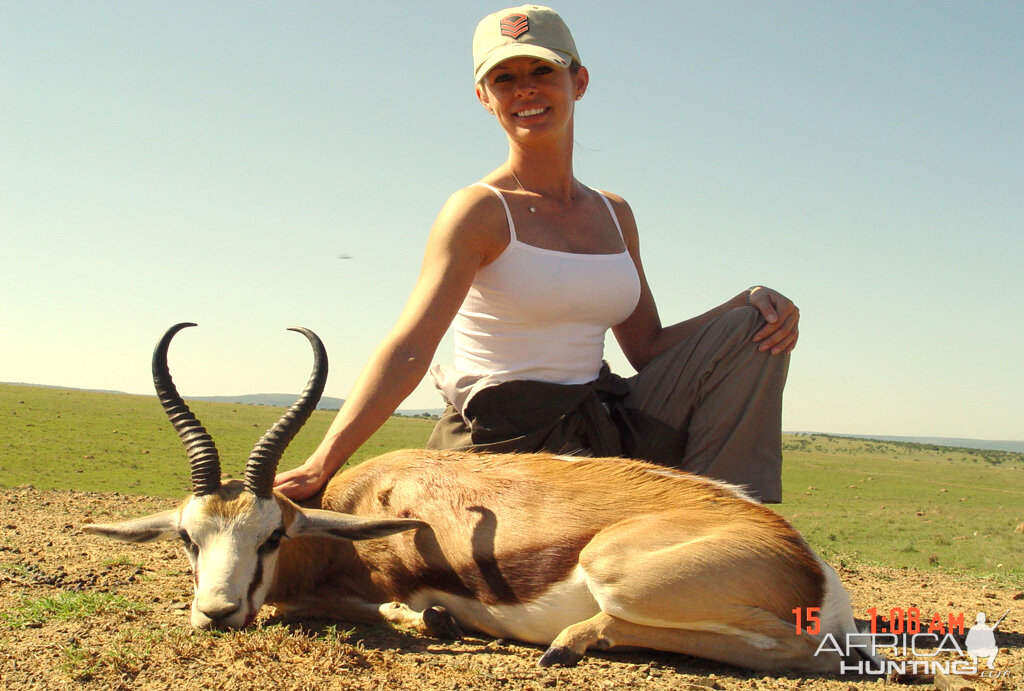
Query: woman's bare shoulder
[[475, 202], [617, 201], [623, 212], [474, 216]]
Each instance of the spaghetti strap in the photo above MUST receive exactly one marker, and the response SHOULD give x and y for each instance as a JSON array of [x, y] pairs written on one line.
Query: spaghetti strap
[[512, 226], [611, 210], [508, 212]]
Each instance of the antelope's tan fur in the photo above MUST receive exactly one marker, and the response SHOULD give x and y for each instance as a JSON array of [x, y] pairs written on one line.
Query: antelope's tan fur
[[574, 553]]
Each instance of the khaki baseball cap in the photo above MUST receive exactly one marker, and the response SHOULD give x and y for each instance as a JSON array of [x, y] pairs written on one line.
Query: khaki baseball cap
[[530, 31]]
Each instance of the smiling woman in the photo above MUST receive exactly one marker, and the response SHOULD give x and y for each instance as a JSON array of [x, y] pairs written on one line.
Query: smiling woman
[[525, 91], [532, 268]]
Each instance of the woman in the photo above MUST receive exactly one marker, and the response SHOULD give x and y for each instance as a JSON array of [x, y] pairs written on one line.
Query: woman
[[533, 268]]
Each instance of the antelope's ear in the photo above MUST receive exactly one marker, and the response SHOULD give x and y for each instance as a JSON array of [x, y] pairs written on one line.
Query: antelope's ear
[[345, 526], [157, 526]]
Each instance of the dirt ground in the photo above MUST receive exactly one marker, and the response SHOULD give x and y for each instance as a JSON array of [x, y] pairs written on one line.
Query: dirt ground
[[80, 612]]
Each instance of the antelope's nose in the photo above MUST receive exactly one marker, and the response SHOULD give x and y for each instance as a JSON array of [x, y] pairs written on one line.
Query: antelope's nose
[[219, 612]]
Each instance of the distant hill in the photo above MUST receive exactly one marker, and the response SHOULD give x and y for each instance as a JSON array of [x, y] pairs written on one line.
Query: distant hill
[[953, 442], [275, 400], [990, 444], [283, 400]]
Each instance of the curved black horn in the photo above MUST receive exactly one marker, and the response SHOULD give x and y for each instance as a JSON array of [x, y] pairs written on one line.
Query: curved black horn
[[262, 464], [202, 453]]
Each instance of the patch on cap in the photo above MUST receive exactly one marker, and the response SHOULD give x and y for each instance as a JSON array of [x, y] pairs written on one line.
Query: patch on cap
[[515, 25]]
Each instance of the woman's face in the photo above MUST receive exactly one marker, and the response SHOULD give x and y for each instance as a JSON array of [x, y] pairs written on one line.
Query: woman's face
[[530, 95]]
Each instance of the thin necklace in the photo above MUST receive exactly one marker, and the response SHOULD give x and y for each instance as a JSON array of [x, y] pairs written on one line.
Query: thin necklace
[[533, 209]]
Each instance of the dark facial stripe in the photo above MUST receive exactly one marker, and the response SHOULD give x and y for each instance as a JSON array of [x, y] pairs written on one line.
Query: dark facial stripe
[[257, 578]]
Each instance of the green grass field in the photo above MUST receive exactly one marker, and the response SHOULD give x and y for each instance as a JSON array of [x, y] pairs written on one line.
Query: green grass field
[[70, 439], [902, 504], [894, 504]]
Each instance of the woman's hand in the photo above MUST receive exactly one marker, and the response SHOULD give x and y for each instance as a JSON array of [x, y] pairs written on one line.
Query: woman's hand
[[305, 481], [781, 332]]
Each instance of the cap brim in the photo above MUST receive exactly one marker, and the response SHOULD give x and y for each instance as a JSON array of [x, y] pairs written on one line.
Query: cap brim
[[521, 50]]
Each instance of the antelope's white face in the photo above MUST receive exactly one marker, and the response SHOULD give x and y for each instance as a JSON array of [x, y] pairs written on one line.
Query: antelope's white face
[[232, 538], [232, 531]]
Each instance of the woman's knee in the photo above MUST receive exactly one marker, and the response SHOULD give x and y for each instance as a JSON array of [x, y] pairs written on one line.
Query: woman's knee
[[744, 320], [737, 329]]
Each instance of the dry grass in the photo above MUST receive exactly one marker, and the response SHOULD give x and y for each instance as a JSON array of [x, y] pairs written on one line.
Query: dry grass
[[79, 612]]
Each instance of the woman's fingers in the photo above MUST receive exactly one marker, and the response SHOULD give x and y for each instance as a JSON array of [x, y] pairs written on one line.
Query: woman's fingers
[[780, 333], [297, 483], [779, 337]]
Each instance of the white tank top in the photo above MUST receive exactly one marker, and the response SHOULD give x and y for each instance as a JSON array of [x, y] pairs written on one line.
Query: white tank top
[[538, 314]]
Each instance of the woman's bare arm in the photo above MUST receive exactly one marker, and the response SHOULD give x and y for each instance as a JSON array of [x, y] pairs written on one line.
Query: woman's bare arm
[[642, 336], [464, 238]]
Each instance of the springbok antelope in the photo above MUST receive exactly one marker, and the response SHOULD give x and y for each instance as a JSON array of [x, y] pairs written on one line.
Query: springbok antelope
[[573, 553]]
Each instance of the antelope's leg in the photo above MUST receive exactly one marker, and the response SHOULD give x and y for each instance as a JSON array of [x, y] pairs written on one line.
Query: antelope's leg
[[433, 621], [604, 631], [572, 643], [698, 589]]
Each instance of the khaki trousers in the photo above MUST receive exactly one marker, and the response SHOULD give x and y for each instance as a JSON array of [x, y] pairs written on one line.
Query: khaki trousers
[[723, 399], [711, 405]]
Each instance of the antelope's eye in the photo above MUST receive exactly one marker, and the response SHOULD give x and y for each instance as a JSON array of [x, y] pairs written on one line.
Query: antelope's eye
[[272, 542], [192, 547]]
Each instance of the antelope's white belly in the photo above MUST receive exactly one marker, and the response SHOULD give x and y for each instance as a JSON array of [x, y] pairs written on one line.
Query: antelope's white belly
[[537, 621]]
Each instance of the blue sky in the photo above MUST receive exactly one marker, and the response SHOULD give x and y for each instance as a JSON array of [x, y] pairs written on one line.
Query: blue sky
[[209, 162]]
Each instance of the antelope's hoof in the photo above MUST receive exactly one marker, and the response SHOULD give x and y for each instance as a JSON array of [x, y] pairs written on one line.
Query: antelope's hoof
[[561, 657], [440, 624]]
